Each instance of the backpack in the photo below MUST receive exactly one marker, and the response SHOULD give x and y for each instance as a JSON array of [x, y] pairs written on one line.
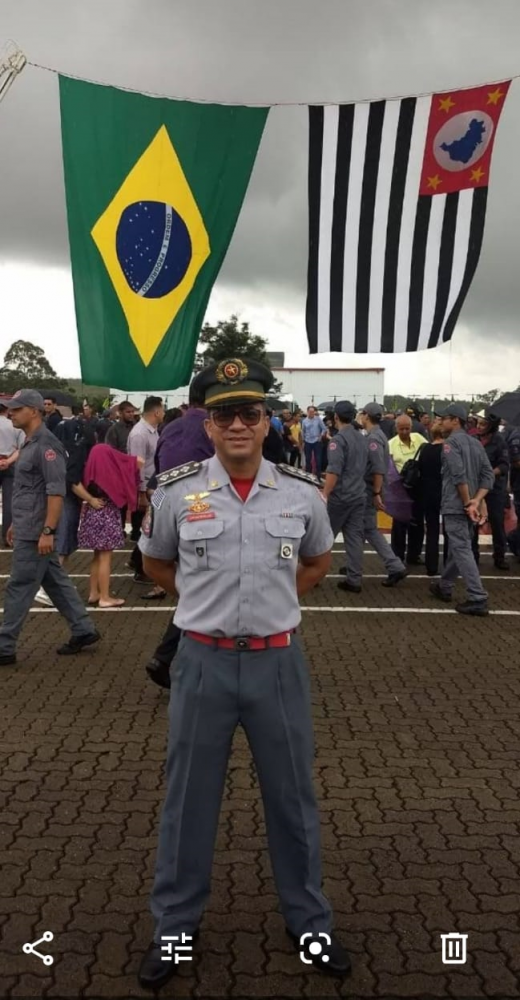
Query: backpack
[[411, 472]]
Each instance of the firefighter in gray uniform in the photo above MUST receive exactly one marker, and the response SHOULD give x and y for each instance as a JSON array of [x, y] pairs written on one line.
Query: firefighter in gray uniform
[[467, 477], [345, 490], [39, 488], [240, 540], [377, 468]]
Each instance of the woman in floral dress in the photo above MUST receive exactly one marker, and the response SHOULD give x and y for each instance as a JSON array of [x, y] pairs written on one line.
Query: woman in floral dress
[[112, 478]]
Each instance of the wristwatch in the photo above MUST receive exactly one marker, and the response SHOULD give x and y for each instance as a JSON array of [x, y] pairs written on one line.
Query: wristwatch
[[48, 531]]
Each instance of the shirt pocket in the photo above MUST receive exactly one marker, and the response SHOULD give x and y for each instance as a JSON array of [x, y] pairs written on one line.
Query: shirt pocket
[[200, 544], [283, 537]]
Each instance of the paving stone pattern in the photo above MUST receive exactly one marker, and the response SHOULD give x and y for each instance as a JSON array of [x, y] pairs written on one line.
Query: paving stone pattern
[[417, 772]]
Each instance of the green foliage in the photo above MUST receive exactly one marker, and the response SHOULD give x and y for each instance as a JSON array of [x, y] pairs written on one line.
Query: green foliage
[[228, 339]]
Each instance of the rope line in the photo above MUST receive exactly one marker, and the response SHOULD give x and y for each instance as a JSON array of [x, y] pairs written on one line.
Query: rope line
[[269, 104]]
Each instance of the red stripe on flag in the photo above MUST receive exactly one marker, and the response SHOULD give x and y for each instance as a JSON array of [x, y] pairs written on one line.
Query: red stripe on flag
[[460, 138]]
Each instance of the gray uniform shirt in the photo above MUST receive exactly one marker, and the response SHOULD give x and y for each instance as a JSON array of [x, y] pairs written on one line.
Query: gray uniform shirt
[[142, 442], [347, 459], [39, 473], [11, 439], [378, 456], [463, 461], [236, 570]]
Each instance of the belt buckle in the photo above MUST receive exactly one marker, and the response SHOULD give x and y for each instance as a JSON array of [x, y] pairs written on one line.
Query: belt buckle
[[242, 643]]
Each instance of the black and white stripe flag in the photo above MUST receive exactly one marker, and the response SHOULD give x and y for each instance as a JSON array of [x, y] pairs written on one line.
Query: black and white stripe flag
[[397, 203]]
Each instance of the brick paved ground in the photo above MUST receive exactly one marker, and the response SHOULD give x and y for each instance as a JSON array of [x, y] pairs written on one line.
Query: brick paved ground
[[417, 751]]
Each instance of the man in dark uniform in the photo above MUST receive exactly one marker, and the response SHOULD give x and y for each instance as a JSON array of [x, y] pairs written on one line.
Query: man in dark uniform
[[241, 540], [39, 488], [495, 446], [512, 436], [377, 469], [467, 478], [345, 491]]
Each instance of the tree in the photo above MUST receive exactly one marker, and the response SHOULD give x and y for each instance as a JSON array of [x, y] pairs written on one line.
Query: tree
[[26, 367], [229, 340], [28, 362]]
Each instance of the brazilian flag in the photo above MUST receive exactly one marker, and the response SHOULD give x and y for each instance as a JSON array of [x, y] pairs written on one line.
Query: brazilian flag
[[154, 188]]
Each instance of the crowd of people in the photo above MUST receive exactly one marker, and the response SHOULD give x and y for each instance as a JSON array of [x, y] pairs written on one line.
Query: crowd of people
[[366, 461]]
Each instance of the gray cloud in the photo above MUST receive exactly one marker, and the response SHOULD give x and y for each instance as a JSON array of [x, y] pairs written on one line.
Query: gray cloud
[[246, 50]]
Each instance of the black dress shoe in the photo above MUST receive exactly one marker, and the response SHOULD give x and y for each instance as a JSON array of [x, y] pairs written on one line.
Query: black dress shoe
[[394, 578], [352, 588], [155, 971], [415, 562], [158, 672], [333, 958], [478, 608], [342, 569], [502, 564], [441, 595], [6, 659], [77, 643], [142, 578]]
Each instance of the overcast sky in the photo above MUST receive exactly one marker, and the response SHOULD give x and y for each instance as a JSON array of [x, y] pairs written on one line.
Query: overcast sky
[[260, 51]]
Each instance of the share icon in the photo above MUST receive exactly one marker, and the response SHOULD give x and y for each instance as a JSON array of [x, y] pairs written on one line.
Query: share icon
[[30, 948]]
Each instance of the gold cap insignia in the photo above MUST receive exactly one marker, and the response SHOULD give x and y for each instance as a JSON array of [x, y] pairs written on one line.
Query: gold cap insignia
[[232, 372]]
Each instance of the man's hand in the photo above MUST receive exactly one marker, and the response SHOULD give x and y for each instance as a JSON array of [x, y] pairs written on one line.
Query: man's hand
[[45, 545], [473, 512], [9, 537], [96, 503], [4, 464], [143, 500], [378, 502]]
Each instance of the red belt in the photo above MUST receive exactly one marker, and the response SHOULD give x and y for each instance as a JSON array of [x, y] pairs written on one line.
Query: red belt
[[242, 643]]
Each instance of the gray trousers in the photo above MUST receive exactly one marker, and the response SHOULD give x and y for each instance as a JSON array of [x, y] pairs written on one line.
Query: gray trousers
[[212, 691], [6, 482], [349, 518], [461, 561], [29, 572], [378, 542]]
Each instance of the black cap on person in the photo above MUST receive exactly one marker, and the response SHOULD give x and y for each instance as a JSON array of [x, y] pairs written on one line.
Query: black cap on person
[[235, 380], [345, 410], [454, 410]]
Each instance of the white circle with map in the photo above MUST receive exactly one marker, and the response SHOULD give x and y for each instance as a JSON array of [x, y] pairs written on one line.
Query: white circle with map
[[463, 140]]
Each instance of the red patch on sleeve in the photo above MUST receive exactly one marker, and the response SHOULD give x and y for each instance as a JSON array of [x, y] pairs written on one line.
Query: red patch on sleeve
[[50, 455], [446, 448], [373, 446], [332, 446]]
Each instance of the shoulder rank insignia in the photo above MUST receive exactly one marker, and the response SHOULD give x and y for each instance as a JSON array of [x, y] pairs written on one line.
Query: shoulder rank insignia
[[172, 475], [289, 470]]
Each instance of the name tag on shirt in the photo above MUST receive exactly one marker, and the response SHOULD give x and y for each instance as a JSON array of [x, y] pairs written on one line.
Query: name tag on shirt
[[201, 517]]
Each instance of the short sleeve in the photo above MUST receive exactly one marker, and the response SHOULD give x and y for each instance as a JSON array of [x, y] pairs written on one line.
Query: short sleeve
[[20, 439], [336, 455], [318, 538], [159, 535], [376, 458], [53, 468]]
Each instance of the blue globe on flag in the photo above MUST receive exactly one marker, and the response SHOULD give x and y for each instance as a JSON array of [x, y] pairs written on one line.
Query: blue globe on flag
[[153, 247]]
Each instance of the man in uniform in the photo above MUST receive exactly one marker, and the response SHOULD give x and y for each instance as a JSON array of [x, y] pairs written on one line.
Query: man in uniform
[[39, 488], [345, 491], [495, 446], [467, 477], [512, 435], [377, 468], [240, 540]]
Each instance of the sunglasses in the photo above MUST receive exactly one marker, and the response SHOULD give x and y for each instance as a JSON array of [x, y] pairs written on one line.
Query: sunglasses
[[249, 415]]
